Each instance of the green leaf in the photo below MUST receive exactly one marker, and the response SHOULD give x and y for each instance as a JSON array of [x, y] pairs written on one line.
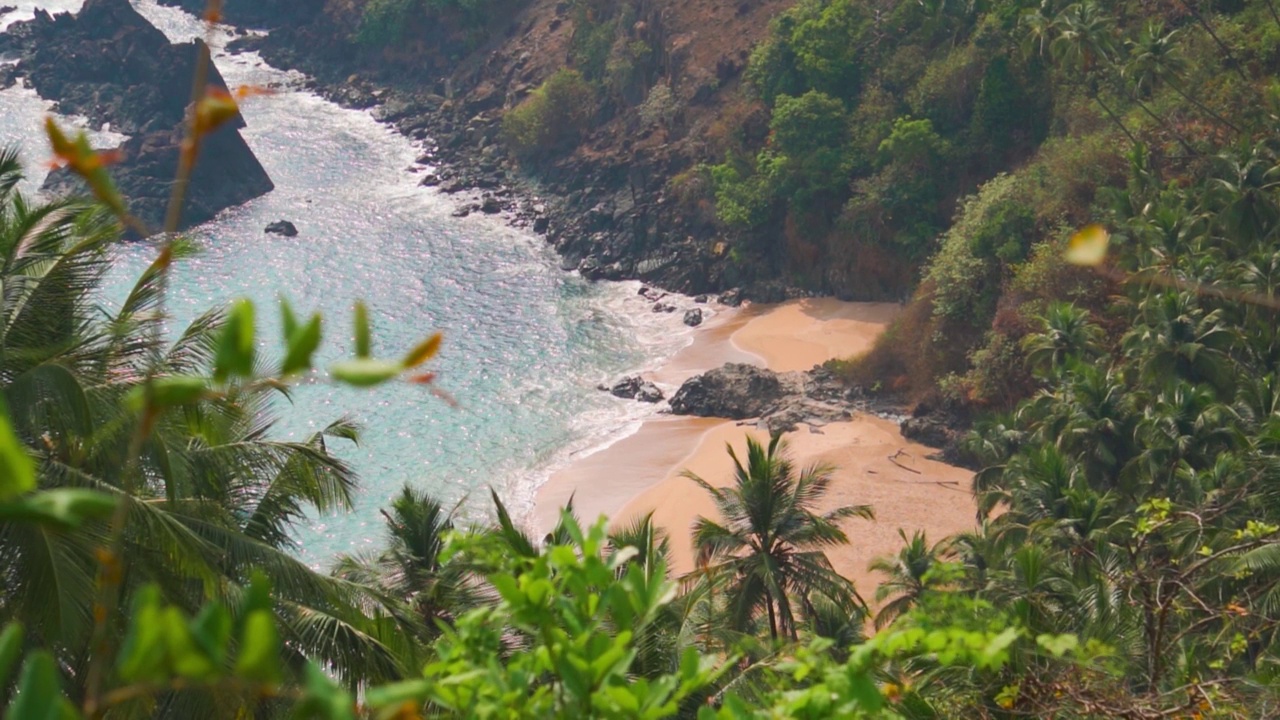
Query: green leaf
[[64, 507], [188, 660], [171, 391], [235, 352], [321, 698], [39, 695], [364, 345], [10, 651], [17, 471], [288, 321], [863, 691], [302, 345], [142, 653], [364, 372], [259, 658], [425, 350], [211, 630]]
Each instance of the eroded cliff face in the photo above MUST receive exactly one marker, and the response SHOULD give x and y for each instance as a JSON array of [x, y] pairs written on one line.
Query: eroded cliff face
[[619, 203]]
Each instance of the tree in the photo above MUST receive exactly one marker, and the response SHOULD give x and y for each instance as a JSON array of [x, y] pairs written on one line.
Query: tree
[[1065, 333], [768, 543], [203, 494], [908, 575]]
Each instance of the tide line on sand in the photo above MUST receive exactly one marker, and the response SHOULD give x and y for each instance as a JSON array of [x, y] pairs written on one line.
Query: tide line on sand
[[643, 472]]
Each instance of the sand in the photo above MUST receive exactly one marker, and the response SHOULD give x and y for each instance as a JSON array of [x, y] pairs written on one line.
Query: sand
[[642, 473]]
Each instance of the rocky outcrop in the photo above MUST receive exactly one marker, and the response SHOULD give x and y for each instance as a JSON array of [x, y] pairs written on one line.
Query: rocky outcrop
[[226, 175], [779, 401], [110, 65], [693, 318], [938, 423]]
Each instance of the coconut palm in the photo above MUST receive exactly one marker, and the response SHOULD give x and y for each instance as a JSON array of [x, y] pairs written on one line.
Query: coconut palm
[[207, 496], [412, 569], [1065, 332], [907, 574], [769, 539]]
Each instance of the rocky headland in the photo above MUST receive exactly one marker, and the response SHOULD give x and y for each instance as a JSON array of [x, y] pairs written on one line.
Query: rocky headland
[[108, 64]]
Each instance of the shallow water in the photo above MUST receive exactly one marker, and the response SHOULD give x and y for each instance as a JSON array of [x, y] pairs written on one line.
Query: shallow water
[[525, 344]]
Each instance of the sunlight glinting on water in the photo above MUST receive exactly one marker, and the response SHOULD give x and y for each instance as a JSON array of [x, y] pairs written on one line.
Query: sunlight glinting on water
[[525, 344]]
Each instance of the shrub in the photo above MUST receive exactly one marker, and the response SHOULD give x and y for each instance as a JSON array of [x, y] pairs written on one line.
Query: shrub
[[553, 116]]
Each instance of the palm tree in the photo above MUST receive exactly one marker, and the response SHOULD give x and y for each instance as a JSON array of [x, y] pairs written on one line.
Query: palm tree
[[411, 567], [207, 496], [907, 574], [768, 543], [1065, 332], [1155, 59]]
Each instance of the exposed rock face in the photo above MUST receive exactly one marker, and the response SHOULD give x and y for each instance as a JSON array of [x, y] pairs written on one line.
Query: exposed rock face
[[736, 391], [781, 401], [111, 65], [937, 423], [649, 393], [693, 318], [227, 174]]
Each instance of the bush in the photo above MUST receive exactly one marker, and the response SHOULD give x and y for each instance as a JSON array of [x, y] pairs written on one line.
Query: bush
[[552, 117]]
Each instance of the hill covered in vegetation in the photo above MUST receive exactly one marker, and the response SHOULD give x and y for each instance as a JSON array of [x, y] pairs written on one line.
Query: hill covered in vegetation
[[1079, 199]]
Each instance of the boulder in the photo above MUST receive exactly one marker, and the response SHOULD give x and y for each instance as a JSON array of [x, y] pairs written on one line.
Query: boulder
[[282, 227], [732, 298], [735, 391], [649, 393], [928, 430], [693, 318], [627, 387]]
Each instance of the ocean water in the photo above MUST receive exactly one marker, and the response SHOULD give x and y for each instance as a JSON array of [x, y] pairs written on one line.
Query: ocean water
[[525, 343]]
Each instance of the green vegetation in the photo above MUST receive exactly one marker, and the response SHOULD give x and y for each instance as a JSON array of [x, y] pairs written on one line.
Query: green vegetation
[[1126, 562], [385, 23], [552, 118]]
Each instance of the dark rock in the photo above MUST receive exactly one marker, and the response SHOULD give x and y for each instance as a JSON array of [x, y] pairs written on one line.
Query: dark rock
[[627, 387], [430, 180], [928, 430], [735, 391], [227, 175], [693, 318], [110, 65], [541, 224], [661, 307], [490, 205], [461, 212], [282, 227], [648, 392], [700, 299], [732, 298]]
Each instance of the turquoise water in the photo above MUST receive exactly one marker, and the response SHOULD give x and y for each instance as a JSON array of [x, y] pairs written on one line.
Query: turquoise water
[[525, 344]]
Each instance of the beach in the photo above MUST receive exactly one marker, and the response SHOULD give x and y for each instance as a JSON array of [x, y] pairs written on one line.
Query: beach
[[873, 464]]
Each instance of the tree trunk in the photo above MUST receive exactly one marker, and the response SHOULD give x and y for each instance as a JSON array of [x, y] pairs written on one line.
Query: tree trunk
[[773, 620], [1195, 12]]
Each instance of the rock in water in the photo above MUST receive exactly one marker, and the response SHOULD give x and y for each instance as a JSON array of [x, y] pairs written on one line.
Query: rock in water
[[626, 388], [649, 393], [226, 174], [282, 227], [111, 65], [693, 318]]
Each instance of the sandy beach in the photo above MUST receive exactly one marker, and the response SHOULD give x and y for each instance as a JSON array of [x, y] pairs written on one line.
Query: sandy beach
[[642, 473]]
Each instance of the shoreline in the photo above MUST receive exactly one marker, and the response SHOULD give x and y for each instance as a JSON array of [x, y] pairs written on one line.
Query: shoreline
[[641, 472]]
